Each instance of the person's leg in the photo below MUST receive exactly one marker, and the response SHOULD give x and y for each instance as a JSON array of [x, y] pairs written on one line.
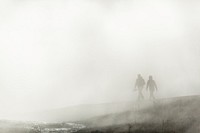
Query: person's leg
[[151, 94], [140, 93]]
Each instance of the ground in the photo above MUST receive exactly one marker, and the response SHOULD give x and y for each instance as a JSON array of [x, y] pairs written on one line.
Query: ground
[[170, 115], [175, 115]]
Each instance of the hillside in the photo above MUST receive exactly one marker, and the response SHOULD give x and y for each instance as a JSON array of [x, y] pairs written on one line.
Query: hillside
[[77, 113], [180, 115], [93, 111]]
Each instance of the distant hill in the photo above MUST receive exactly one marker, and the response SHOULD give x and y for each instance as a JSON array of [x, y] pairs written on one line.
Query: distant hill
[[77, 113]]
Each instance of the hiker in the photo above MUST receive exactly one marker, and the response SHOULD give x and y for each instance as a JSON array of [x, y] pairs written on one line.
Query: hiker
[[151, 85], [139, 85]]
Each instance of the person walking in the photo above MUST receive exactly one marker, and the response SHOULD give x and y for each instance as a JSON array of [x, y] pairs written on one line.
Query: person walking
[[151, 86], [139, 85]]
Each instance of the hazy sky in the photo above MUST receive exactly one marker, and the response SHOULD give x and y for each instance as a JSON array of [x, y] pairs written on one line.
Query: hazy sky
[[59, 53]]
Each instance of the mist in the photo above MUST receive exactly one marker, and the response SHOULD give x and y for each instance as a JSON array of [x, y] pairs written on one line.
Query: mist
[[56, 54]]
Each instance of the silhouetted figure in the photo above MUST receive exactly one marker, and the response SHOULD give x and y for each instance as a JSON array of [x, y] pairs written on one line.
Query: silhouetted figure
[[139, 85], [151, 85]]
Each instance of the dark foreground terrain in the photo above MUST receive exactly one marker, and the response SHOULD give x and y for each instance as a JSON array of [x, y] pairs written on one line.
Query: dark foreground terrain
[[176, 115]]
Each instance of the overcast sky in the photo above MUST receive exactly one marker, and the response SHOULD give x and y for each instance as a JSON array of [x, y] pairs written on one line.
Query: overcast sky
[[59, 53]]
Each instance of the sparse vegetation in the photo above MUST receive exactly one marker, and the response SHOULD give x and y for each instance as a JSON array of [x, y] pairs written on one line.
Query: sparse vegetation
[[178, 115]]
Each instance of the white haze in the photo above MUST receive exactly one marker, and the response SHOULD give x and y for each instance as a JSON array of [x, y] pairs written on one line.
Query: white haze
[[59, 53]]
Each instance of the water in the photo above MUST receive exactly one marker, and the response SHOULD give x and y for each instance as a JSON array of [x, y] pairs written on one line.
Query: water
[[38, 127], [61, 128], [74, 128]]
